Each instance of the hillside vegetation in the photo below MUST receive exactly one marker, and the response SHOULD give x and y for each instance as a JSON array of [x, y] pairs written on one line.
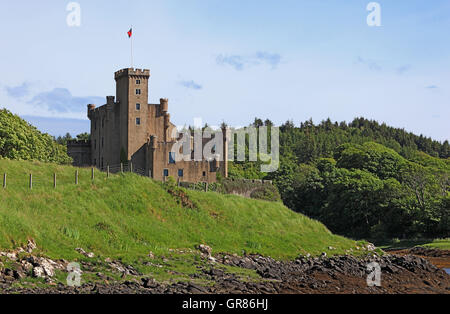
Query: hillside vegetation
[[127, 216], [20, 140], [362, 179]]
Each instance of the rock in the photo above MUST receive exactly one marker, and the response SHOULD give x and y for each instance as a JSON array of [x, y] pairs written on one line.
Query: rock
[[323, 254], [151, 255], [9, 272], [47, 267], [19, 274], [331, 248], [205, 250], [83, 252], [370, 247], [38, 272], [149, 283], [27, 265], [212, 259], [31, 245], [101, 276], [11, 256]]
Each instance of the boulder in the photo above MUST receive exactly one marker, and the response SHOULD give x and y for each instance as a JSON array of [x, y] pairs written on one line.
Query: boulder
[[47, 267], [38, 272], [205, 250], [31, 245], [83, 252]]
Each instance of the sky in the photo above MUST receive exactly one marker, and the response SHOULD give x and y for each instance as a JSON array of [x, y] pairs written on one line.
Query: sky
[[232, 60]]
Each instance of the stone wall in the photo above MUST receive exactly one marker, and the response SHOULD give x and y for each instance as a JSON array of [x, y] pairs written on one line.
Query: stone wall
[[80, 151]]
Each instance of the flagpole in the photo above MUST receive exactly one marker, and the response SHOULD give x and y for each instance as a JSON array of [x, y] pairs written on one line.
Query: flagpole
[[132, 47]]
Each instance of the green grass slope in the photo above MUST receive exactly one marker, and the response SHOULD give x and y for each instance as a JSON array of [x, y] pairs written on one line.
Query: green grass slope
[[126, 216]]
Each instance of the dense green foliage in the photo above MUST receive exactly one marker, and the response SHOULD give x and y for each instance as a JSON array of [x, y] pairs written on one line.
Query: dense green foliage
[[20, 140], [126, 216], [363, 179], [80, 137]]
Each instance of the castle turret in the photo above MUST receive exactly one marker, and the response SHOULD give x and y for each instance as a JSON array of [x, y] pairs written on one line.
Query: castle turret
[[132, 96], [90, 109], [164, 103]]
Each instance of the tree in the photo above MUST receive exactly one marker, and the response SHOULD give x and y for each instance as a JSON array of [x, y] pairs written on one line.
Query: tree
[[83, 137], [20, 140]]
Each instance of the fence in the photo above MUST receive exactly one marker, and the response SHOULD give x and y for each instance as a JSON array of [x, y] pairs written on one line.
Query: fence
[[48, 179], [125, 167], [248, 188]]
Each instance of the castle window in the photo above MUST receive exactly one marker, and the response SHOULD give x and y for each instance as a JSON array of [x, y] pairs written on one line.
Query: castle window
[[138, 121], [171, 158], [138, 82], [204, 173], [138, 91], [138, 106], [180, 173], [166, 172]]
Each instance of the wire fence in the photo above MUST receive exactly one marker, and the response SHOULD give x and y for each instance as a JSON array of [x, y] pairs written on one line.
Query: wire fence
[[50, 177], [53, 176]]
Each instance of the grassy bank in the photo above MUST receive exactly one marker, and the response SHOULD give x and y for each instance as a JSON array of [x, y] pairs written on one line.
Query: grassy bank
[[126, 216], [443, 244]]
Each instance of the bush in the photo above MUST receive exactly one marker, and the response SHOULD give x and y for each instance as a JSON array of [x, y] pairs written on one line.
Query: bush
[[21, 141]]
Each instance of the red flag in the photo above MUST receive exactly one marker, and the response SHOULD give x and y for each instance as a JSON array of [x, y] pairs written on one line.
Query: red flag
[[130, 32]]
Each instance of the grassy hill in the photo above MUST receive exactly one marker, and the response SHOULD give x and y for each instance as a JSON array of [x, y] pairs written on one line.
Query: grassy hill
[[126, 216]]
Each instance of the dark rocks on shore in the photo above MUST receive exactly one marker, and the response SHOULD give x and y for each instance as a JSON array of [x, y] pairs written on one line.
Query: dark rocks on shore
[[339, 274]]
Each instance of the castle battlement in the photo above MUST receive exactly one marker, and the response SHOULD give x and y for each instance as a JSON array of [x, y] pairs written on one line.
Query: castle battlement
[[74, 143], [132, 72]]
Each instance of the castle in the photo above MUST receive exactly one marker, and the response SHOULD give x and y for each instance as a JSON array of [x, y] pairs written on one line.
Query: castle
[[129, 130]]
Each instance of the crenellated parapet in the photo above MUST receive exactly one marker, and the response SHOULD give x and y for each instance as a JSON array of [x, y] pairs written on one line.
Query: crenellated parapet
[[145, 73]]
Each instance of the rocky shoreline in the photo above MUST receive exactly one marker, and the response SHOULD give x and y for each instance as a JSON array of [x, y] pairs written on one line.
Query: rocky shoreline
[[335, 275]]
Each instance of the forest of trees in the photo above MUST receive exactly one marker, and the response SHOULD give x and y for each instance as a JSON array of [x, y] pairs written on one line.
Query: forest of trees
[[362, 179]]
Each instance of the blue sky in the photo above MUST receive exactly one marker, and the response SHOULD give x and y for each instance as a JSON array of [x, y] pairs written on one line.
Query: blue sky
[[232, 60]]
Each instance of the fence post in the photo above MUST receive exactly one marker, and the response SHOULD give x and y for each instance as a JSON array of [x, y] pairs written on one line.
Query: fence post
[[54, 180], [107, 171], [4, 180], [206, 186], [149, 173], [76, 177], [121, 167], [178, 181], [92, 173], [31, 181], [131, 166]]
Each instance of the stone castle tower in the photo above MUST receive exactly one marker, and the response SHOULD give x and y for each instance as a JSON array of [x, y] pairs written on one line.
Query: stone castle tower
[[129, 129]]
